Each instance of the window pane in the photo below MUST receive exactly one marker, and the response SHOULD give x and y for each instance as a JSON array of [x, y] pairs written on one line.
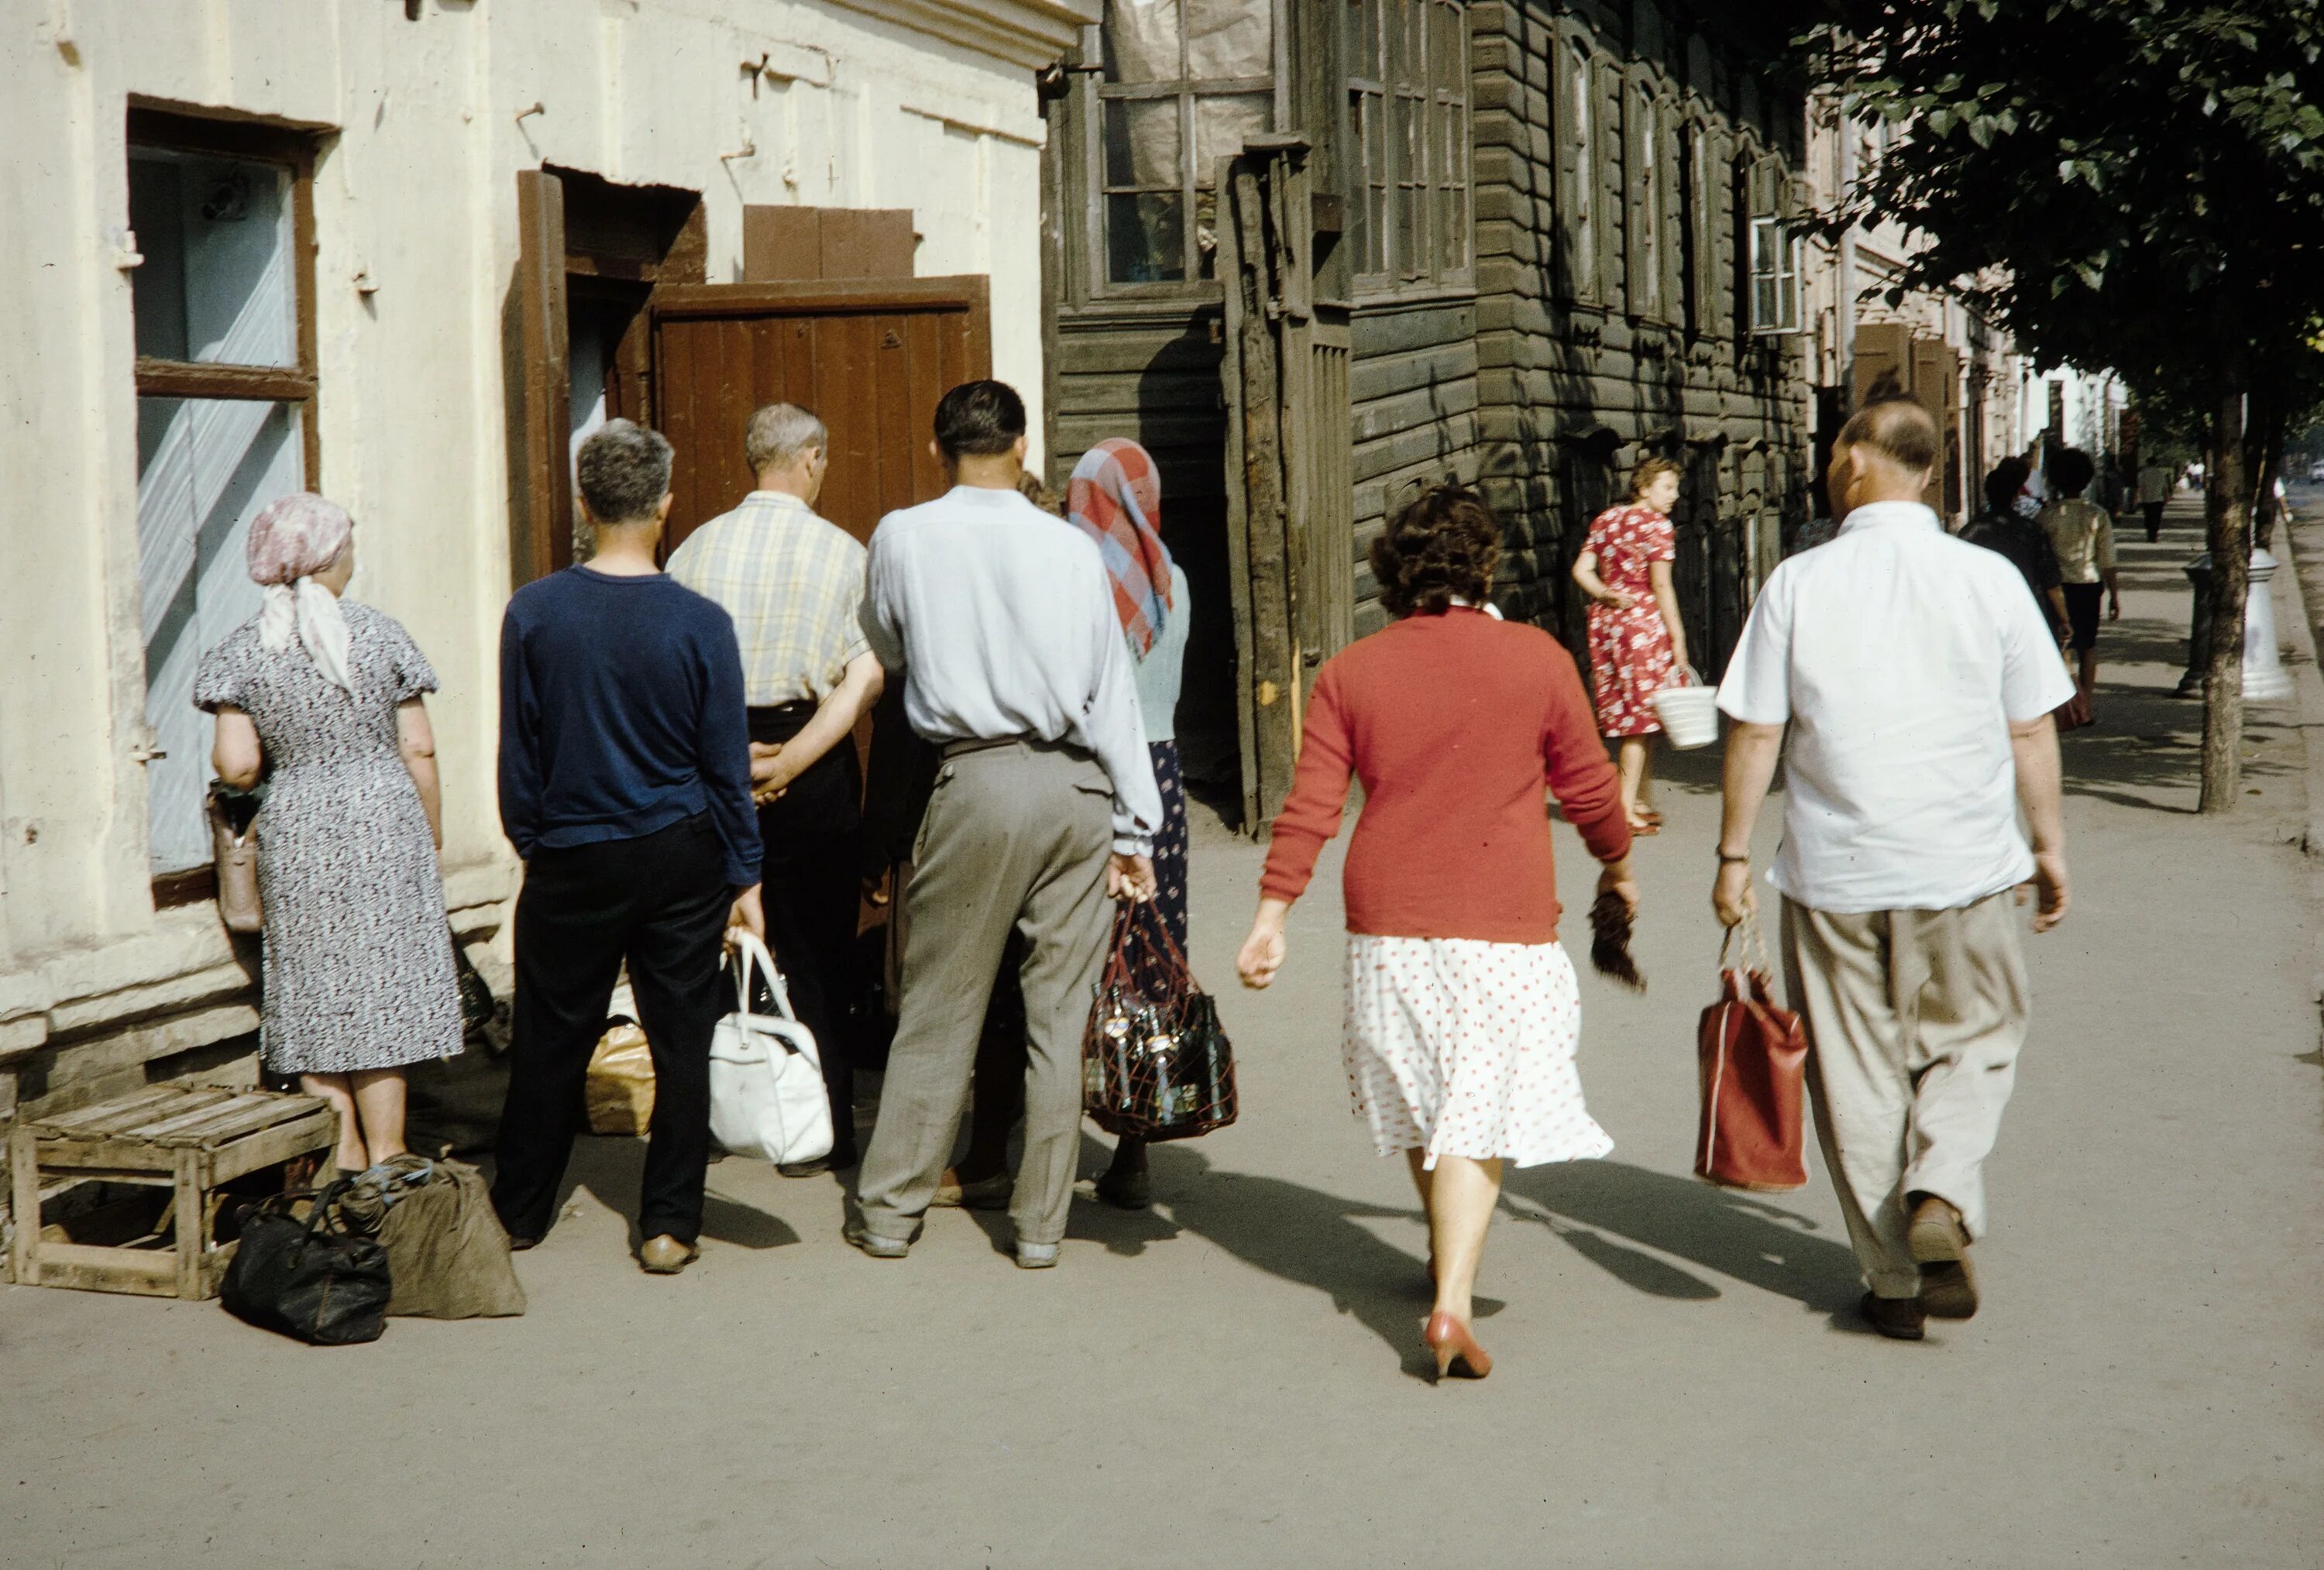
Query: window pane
[[1763, 305], [1230, 38], [1221, 127], [1141, 41], [1145, 238], [1206, 235], [1452, 199], [217, 284], [1141, 142], [1405, 219], [204, 467]]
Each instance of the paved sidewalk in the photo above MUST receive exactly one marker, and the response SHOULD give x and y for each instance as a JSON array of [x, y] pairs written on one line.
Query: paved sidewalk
[[1233, 1380]]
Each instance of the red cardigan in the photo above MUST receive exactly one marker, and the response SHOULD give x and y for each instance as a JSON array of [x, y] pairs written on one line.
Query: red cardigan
[[1456, 724]]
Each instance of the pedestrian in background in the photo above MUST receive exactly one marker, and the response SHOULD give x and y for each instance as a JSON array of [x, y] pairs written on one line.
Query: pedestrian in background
[[2083, 534], [2001, 528], [1463, 1014], [1638, 642], [793, 584], [1044, 805], [1917, 682], [324, 700], [2155, 484], [625, 786]]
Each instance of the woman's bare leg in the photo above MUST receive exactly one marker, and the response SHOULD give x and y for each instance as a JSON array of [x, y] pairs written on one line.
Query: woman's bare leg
[[378, 1102], [1461, 1197], [1646, 792], [335, 1089], [1633, 763]]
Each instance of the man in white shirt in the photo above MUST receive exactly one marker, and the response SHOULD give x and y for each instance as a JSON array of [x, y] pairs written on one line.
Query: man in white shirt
[[2154, 489], [1002, 621], [1917, 680]]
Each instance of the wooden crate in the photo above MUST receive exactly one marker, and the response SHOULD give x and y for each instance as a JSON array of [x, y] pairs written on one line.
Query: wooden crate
[[191, 1140]]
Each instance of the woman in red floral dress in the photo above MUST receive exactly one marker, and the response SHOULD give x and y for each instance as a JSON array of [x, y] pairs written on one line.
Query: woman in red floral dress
[[1637, 644]]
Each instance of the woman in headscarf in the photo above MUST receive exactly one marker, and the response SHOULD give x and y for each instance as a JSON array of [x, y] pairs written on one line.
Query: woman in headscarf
[[321, 699], [1115, 496]]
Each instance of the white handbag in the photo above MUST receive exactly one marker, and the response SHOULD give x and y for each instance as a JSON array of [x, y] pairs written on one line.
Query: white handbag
[[765, 1078]]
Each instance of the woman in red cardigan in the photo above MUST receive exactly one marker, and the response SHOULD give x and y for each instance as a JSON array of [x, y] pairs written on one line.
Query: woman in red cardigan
[[1464, 1016]]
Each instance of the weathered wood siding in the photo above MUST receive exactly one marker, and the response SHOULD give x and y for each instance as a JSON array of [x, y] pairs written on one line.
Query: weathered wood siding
[[1574, 391], [1412, 385], [1151, 373]]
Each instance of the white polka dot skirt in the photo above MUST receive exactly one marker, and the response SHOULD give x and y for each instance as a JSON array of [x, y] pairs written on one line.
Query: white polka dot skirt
[[1464, 1048]]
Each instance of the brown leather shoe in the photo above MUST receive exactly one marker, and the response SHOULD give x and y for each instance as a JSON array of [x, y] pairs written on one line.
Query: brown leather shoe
[[1898, 1318], [666, 1257], [1939, 1246]]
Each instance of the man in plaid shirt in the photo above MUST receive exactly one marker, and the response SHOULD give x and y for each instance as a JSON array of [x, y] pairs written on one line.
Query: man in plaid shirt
[[793, 583]]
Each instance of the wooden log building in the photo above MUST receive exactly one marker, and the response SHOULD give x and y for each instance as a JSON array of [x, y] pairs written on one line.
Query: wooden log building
[[1315, 253]]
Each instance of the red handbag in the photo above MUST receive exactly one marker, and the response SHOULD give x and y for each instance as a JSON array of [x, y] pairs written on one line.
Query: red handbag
[[1754, 1061]]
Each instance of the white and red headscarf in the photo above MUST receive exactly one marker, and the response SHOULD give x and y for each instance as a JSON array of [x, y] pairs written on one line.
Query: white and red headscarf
[[1116, 497], [294, 538]]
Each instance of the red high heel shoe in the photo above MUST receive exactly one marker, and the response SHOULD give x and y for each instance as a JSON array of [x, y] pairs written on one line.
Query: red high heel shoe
[[1458, 1355]]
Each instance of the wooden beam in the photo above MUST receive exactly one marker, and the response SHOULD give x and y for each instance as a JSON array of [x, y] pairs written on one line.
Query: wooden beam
[[193, 378]]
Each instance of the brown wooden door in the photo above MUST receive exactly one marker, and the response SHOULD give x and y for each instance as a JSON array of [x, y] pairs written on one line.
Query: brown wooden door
[[870, 357]]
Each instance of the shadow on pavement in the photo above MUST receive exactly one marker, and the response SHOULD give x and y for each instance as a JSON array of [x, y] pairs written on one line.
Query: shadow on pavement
[[1733, 1233], [610, 1168]]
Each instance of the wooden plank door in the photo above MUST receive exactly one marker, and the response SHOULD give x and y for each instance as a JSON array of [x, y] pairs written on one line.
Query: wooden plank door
[[870, 357], [1289, 459]]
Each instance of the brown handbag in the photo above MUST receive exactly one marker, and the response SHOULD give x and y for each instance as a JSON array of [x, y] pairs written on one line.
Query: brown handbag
[[1754, 1063], [234, 855]]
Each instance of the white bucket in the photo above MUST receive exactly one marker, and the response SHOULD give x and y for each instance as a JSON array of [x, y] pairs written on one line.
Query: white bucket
[[1689, 713]]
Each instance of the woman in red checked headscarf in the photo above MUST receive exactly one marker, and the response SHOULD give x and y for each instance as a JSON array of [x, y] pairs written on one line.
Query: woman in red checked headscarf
[[321, 699], [1115, 496]]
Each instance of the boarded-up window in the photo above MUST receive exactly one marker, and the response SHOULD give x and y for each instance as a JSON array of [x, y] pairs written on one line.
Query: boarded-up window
[[1184, 83]]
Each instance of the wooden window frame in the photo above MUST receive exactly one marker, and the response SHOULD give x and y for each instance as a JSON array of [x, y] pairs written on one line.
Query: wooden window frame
[[1773, 252], [173, 131], [1432, 102], [170, 132], [1097, 93], [1645, 169]]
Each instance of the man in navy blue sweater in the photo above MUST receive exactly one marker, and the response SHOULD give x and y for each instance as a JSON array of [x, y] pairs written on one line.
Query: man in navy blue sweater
[[625, 786]]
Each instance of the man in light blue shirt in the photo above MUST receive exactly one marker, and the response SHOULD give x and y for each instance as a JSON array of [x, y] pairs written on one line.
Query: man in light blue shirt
[[1001, 623]]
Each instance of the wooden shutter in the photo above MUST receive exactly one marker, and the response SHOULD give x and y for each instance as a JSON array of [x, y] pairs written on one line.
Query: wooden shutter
[[1882, 349], [541, 501]]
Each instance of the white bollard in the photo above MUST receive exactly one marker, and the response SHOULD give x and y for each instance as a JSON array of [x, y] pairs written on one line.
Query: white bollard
[[2265, 677]]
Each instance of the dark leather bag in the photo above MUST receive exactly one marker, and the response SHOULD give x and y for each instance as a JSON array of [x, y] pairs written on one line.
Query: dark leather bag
[[311, 1279], [1156, 1062], [1753, 1057]]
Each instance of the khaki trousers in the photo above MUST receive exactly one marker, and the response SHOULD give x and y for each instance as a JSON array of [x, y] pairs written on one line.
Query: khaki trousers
[[1017, 835], [1916, 1019]]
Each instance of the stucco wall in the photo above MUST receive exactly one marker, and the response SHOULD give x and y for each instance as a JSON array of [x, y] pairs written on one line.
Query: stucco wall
[[416, 191]]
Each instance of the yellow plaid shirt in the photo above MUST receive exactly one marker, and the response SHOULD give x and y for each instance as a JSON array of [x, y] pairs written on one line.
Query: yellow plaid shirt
[[793, 583]]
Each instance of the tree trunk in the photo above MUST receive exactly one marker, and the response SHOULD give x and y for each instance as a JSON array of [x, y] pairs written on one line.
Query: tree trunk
[[2229, 519]]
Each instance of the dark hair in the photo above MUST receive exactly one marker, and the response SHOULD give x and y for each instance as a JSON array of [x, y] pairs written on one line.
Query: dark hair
[[2071, 472], [623, 472], [1445, 544], [979, 419], [2007, 479], [1649, 467], [1897, 428]]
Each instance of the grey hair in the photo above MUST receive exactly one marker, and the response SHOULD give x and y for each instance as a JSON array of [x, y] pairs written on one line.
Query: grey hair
[[779, 434], [623, 470]]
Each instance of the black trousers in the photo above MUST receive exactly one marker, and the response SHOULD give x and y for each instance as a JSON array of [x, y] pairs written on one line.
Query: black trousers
[[813, 836], [2154, 520], [660, 902]]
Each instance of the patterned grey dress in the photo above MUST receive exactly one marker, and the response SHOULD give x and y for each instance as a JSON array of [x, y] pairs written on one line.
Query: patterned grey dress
[[358, 953]]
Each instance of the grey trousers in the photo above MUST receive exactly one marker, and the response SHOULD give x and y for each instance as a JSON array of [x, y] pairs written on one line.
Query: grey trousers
[[1017, 835], [1916, 1018]]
